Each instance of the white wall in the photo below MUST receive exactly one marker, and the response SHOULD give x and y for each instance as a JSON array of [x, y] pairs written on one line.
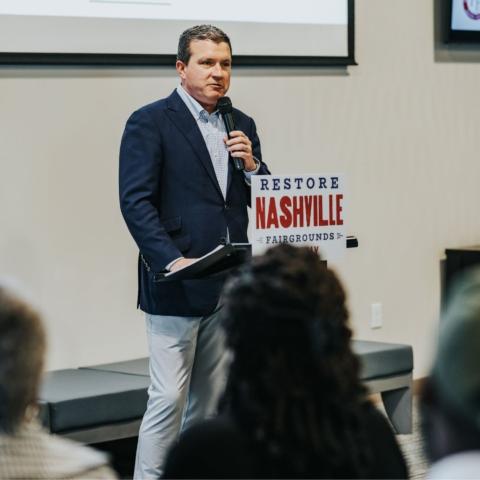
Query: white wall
[[400, 126]]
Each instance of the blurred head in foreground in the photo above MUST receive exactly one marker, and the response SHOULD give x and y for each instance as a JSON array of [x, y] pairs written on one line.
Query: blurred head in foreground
[[22, 351], [450, 401], [294, 380]]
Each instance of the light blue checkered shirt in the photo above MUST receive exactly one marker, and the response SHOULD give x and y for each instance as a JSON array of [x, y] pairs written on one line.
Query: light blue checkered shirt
[[213, 131]]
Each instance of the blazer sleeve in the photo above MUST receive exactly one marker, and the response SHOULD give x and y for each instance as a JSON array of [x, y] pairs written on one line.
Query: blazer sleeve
[[256, 149], [139, 183]]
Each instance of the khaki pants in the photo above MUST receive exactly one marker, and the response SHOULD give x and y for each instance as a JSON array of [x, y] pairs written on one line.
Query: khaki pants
[[187, 376]]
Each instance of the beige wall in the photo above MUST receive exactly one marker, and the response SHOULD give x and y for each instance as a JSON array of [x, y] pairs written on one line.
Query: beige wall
[[403, 128]]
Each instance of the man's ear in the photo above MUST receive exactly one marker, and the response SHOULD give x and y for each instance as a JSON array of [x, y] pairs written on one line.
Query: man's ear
[[180, 66]]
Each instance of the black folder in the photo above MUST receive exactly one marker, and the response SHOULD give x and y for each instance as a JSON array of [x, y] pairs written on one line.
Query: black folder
[[219, 261]]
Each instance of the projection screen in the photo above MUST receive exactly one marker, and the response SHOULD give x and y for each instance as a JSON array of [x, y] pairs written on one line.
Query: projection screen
[[263, 32]]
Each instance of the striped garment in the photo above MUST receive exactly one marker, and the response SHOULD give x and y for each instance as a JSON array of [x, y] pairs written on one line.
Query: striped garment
[[32, 453]]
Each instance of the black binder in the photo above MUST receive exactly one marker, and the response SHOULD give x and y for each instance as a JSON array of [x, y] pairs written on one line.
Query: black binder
[[219, 261]]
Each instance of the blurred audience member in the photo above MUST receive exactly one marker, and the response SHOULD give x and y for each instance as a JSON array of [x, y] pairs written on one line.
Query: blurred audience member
[[26, 450], [294, 405], [450, 401]]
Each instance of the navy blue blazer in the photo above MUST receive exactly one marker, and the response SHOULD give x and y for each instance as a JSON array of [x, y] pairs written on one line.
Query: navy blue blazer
[[172, 203]]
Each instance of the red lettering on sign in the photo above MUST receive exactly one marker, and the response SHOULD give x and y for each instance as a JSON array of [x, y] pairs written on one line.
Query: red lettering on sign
[[286, 217], [339, 209], [330, 210], [260, 209], [321, 220], [272, 217], [298, 211], [309, 200]]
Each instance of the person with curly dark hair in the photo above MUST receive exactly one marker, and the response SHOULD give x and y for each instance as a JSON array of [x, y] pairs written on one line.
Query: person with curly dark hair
[[294, 405]]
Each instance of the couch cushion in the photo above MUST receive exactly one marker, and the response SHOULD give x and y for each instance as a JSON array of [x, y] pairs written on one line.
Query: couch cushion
[[114, 392], [86, 398], [379, 359], [138, 366]]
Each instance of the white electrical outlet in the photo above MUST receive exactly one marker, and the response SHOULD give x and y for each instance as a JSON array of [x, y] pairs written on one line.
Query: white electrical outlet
[[376, 317]]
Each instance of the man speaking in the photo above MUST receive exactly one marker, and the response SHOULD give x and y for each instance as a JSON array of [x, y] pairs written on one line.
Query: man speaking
[[181, 195]]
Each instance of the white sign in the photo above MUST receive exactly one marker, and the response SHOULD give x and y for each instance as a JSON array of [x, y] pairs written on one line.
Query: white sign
[[300, 210], [466, 15], [328, 12]]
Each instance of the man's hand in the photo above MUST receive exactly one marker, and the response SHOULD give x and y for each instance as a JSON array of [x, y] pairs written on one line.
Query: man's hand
[[182, 263], [240, 146]]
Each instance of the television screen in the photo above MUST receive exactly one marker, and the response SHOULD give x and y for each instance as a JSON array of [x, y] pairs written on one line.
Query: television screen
[[464, 21], [146, 31]]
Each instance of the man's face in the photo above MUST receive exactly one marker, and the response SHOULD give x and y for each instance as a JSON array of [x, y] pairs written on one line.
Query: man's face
[[206, 77]]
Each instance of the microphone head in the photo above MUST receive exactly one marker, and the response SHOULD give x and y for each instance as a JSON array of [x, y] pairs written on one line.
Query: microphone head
[[224, 105]]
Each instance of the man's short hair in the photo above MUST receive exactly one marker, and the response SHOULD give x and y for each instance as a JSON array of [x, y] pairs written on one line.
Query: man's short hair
[[199, 32], [22, 351]]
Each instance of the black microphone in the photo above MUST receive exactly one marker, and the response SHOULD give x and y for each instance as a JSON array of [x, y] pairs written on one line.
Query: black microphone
[[224, 106]]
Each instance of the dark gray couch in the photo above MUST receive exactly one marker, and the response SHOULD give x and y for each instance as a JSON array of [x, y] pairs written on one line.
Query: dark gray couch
[[106, 402]]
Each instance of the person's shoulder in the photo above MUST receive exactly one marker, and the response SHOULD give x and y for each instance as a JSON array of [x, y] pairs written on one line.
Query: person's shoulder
[[75, 459], [458, 465], [214, 448], [158, 106], [153, 113], [51, 456], [239, 114], [376, 420], [74, 454], [244, 122], [389, 463]]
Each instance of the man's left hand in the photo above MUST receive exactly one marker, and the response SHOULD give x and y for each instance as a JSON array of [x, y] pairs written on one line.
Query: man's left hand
[[240, 146]]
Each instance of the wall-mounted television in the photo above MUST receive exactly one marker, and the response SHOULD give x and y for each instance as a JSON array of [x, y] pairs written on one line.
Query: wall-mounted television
[[463, 21], [145, 32]]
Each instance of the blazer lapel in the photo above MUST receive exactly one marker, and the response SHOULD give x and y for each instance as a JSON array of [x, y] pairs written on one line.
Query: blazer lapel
[[184, 121], [231, 172]]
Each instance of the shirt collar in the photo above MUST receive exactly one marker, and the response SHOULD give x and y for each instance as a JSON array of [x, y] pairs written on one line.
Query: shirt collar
[[195, 108]]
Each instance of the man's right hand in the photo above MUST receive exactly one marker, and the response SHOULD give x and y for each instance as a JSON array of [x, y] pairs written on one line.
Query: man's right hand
[[182, 263]]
